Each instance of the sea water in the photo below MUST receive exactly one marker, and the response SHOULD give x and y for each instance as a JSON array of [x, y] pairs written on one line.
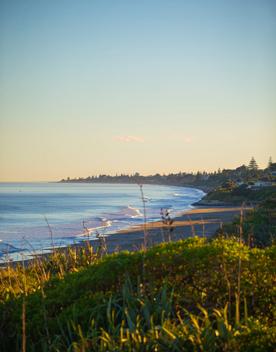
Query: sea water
[[36, 216]]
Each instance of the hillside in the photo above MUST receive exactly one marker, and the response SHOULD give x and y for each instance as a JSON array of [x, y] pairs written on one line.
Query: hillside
[[190, 295], [237, 196]]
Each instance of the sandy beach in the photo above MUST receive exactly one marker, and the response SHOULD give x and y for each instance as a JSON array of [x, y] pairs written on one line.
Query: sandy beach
[[200, 222], [196, 222]]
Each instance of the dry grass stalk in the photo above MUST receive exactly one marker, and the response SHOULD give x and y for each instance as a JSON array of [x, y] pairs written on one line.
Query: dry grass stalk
[[144, 216], [238, 293], [192, 226]]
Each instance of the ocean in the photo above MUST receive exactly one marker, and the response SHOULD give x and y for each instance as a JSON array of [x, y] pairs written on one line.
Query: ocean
[[34, 216]]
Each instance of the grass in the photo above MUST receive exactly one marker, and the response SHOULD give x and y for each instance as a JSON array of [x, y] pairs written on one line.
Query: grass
[[258, 226], [176, 296], [240, 194], [190, 295]]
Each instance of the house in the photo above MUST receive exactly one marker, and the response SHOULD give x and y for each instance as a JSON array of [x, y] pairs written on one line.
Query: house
[[261, 184]]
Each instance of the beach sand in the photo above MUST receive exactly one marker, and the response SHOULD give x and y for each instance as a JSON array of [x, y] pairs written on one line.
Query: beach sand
[[199, 222], [196, 222]]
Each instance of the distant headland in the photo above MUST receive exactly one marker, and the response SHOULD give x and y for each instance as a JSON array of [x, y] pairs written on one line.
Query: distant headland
[[207, 181]]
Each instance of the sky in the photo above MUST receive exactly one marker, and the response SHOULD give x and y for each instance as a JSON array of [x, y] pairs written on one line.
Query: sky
[[94, 87]]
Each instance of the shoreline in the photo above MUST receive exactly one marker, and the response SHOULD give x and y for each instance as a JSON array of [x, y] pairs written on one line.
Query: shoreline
[[202, 222], [97, 222], [178, 220]]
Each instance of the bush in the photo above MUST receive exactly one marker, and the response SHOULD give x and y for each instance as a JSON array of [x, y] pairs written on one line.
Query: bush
[[186, 295]]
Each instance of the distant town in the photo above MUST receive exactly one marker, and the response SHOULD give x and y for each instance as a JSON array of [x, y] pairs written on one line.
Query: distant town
[[245, 176]]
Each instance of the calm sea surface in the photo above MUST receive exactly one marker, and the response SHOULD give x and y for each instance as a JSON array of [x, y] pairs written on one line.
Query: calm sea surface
[[25, 209]]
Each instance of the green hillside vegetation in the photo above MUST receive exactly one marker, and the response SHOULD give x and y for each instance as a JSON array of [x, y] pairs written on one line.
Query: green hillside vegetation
[[195, 294], [229, 193], [258, 225], [237, 186], [205, 180], [190, 295]]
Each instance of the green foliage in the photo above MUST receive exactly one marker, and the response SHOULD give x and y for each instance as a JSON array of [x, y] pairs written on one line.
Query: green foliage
[[177, 296], [228, 185], [205, 180], [259, 225], [241, 194], [253, 164]]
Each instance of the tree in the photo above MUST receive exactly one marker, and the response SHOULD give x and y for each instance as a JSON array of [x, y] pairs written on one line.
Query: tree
[[253, 164], [272, 167], [229, 185], [270, 162]]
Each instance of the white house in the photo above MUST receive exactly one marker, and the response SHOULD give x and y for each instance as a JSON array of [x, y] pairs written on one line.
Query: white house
[[260, 184]]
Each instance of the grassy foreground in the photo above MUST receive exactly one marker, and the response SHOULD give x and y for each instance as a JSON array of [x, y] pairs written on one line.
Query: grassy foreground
[[190, 295]]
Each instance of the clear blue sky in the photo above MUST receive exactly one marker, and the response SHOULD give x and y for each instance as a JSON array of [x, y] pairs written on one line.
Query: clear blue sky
[[90, 87]]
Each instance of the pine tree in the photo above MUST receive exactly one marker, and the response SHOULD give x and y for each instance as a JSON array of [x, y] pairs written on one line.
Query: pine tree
[[253, 164], [270, 162]]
